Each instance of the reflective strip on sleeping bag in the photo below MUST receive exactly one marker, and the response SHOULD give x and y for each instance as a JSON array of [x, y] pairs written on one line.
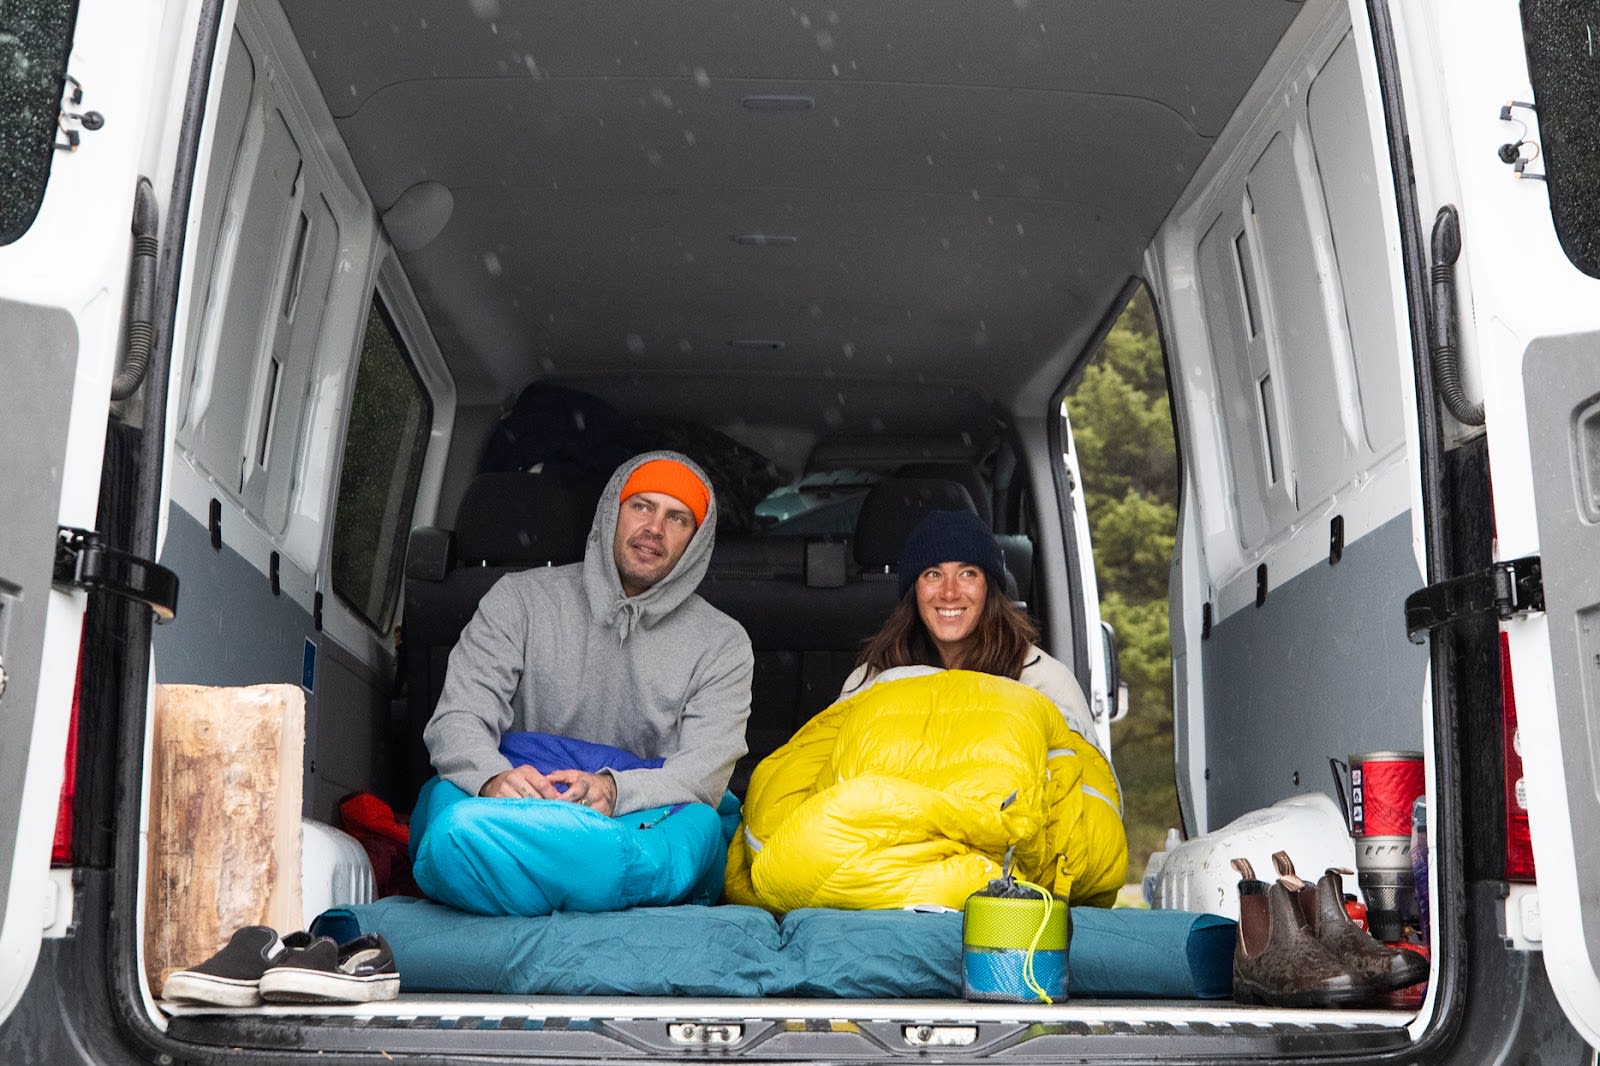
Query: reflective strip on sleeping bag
[[911, 791], [536, 856]]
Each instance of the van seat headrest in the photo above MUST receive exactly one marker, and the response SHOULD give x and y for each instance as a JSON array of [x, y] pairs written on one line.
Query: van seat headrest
[[518, 519], [892, 509], [964, 474]]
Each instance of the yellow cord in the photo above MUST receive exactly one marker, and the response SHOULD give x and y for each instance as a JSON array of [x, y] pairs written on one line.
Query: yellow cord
[[1028, 975]]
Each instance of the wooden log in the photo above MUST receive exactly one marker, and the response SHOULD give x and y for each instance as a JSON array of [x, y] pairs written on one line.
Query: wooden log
[[224, 831]]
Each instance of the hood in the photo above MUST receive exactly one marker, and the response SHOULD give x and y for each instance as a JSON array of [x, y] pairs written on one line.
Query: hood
[[601, 583]]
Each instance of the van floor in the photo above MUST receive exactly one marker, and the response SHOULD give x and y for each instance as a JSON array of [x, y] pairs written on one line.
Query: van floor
[[788, 1028]]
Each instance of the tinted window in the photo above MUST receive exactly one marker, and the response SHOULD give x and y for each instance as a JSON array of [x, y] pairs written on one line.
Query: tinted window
[[34, 38], [1561, 40], [390, 416]]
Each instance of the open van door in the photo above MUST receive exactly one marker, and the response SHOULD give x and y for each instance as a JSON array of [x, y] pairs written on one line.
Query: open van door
[[1516, 151], [75, 97]]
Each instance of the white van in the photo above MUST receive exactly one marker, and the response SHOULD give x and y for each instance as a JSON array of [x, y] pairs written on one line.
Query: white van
[[273, 271]]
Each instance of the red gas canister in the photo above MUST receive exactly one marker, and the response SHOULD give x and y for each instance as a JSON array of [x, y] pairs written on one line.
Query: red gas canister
[[1383, 787]]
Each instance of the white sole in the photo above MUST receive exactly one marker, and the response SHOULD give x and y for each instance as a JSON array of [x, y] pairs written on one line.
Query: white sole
[[190, 987], [288, 985]]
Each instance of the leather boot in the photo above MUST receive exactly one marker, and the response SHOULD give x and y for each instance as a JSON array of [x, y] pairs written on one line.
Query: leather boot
[[1382, 968], [1278, 961]]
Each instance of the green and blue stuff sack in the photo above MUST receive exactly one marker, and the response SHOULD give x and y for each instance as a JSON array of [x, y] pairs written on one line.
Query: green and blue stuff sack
[[1014, 940]]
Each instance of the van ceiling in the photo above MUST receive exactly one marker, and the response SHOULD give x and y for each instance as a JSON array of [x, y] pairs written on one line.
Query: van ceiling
[[937, 194]]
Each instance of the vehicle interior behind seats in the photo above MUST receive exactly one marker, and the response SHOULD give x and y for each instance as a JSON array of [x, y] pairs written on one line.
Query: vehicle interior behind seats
[[850, 257]]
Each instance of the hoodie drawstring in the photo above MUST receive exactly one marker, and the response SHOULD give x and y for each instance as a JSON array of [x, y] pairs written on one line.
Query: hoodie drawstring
[[625, 616]]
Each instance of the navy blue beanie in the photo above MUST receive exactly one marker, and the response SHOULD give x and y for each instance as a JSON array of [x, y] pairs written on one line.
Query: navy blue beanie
[[950, 537]]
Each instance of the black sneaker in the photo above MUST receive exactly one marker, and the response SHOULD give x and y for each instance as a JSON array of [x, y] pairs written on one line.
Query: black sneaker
[[231, 977], [326, 972]]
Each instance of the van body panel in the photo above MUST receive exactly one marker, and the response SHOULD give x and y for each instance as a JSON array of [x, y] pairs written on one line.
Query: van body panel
[[229, 634], [62, 288], [233, 630], [36, 704], [1527, 321], [1561, 758], [1298, 536], [1269, 676]]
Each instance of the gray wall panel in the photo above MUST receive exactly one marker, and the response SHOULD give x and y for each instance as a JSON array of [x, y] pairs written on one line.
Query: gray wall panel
[[350, 737], [1322, 669], [230, 628]]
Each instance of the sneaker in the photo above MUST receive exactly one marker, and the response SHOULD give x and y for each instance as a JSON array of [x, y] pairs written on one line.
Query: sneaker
[[323, 971], [232, 976]]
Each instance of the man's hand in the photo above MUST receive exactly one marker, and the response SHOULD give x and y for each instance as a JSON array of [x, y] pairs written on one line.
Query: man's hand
[[520, 782], [598, 791]]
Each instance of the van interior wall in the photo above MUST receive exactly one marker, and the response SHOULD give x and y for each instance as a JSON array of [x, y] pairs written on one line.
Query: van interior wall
[[1291, 377], [280, 281]]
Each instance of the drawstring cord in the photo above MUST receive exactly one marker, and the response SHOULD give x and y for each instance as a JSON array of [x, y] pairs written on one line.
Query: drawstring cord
[[625, 615], [1028, 975]]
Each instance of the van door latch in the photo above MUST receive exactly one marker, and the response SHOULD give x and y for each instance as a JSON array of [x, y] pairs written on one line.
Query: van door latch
[[1505, 589], [84, 562]]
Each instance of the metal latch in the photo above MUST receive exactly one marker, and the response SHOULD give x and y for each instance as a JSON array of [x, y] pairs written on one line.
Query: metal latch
[[705, 1033], [84, 562], [939, 1035], [1505, 589]]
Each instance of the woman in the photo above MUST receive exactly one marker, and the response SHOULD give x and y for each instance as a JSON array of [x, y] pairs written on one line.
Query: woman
[[918, 790], [953, 613]]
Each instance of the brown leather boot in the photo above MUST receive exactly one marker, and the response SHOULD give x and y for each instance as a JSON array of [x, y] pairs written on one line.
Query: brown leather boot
[[1383, 968], [1278, 961]]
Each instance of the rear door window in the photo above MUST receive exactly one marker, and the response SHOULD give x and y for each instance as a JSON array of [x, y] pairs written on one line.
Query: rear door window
[[35, 36], [390, 418]]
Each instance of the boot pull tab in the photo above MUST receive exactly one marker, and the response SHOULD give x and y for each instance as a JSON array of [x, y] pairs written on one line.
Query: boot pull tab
[[1246, 871], [1285, 867]]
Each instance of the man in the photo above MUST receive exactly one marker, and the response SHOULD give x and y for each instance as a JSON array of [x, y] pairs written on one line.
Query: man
[[616, 650]]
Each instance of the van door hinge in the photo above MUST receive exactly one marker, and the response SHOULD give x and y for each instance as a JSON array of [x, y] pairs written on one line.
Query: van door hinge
[[84, 562], [1505, 589]]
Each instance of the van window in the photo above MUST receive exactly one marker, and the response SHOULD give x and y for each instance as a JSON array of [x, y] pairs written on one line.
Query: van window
[[34, 38], [1560, 40], [390, 416], [1122, 428]]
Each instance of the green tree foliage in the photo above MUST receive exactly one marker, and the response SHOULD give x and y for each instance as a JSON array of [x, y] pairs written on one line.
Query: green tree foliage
[[1122, 429]]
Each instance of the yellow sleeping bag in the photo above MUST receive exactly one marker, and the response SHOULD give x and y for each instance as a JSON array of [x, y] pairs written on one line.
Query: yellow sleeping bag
[[910, 792]]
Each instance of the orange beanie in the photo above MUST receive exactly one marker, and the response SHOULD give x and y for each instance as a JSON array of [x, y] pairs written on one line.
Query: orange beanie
[[674, 479]]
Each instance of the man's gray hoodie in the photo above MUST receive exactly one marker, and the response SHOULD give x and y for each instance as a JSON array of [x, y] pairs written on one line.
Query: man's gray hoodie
[[563, 650]]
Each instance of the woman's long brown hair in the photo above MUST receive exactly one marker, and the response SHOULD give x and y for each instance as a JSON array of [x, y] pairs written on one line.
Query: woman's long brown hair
[[999, 642]]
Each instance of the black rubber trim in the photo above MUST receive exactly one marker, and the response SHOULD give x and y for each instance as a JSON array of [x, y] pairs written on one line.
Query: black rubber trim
[[1450, 951], [122, 972]]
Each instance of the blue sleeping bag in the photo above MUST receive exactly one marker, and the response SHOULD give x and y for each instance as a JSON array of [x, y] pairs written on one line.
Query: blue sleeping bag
[[531, 857]]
